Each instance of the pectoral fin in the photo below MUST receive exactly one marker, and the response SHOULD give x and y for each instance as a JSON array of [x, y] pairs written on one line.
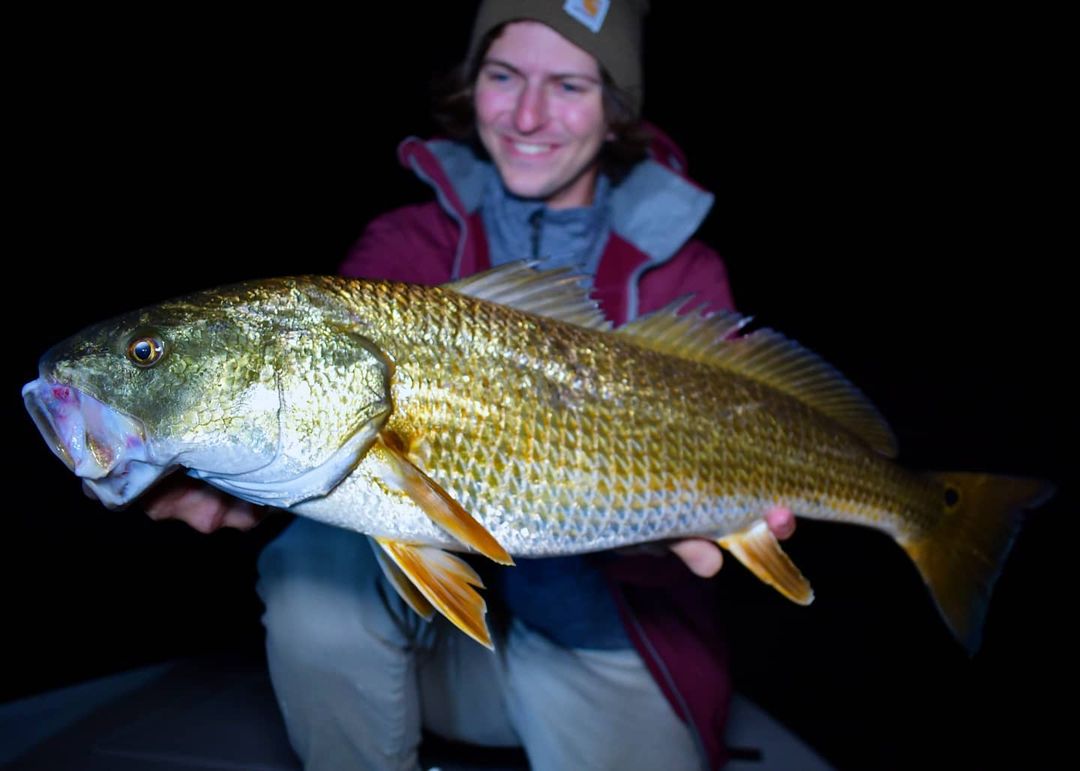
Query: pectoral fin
[[401, 583], [447, 582], [400, 473], [758, 549]]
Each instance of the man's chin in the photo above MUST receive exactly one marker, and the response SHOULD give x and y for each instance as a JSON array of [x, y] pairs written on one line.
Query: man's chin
[[524, 186], [555, 195]]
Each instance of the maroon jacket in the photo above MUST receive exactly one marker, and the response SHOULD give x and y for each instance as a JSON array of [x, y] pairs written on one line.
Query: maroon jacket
[[649, 260]]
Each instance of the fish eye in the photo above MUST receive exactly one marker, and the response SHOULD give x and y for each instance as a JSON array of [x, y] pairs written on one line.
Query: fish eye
[[145, 351]]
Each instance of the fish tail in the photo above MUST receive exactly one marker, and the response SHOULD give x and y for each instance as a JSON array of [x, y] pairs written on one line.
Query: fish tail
[[961, 557]]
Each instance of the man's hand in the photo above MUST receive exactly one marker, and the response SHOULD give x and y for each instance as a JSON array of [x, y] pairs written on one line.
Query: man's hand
[[201, 506], [207, 509], [705, 559]]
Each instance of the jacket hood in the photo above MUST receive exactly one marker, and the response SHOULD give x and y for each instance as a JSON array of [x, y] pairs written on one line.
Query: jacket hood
[[656, 208]]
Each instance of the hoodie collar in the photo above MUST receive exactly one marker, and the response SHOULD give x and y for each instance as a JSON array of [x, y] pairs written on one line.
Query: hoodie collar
[[654, 208], [522, 228]]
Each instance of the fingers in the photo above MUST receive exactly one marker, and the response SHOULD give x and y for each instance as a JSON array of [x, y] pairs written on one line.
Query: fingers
[[202, 507], [704, 558], [243, 515], [781, 522]]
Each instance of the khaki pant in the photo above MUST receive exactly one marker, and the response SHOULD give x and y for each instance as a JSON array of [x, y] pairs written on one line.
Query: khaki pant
[[357, 673]]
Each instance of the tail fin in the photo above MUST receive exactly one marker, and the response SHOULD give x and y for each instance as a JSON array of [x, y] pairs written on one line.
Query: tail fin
[[962, 557]]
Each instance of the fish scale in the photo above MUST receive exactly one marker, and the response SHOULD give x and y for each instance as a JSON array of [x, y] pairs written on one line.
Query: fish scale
[[679, 470]]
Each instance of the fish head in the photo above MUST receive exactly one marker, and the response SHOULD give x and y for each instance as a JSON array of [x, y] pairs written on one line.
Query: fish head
[[266, 390]]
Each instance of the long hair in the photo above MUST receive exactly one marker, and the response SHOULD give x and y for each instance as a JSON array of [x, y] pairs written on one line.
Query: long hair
[[454, 112]]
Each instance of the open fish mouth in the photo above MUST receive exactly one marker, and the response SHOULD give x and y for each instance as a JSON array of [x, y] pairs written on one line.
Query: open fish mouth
[[106, 448], [41, 417]]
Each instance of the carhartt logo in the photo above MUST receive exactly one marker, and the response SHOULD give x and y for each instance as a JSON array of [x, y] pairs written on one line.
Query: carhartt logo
[[591, 13]]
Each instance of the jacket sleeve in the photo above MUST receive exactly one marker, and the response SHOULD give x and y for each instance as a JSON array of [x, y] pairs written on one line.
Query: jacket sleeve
[[415, 243], [696, 270]]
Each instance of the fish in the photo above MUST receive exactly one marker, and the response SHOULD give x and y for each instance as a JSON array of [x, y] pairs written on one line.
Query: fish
[[503, 415]]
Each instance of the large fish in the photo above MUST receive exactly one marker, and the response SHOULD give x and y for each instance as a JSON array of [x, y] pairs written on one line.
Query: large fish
[[501, 414]]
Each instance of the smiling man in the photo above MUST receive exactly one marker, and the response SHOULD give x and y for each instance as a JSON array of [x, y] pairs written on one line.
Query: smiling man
[[543, 128], [602, 661]]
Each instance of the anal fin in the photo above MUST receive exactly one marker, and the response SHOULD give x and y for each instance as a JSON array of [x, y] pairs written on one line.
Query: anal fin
[[400, 473], [446, 582], [758, 549]]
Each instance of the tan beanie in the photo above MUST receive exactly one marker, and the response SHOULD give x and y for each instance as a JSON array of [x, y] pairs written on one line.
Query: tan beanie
[[610, 30]]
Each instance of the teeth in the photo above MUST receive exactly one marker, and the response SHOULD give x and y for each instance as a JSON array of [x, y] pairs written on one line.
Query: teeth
[[530, 149]]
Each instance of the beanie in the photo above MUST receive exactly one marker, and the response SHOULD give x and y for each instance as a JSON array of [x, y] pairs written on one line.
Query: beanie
[[610, 30]]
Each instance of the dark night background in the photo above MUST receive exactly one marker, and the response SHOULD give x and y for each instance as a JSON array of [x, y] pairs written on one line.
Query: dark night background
[[880, 198]]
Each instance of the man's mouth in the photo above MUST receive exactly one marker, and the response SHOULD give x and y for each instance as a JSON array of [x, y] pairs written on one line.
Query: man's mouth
[[530, 149]]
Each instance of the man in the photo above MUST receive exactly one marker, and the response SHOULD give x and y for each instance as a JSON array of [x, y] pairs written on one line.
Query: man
[[598, 657]]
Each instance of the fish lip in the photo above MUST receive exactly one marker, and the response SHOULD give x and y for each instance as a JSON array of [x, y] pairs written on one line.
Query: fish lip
[[107, 449], [44, 424], [86, 447]]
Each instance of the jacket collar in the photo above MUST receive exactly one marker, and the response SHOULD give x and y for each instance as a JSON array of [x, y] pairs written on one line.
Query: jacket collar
[[656, 208]]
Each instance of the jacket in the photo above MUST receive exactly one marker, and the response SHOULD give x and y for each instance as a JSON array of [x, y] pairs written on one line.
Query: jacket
[[649, 260]]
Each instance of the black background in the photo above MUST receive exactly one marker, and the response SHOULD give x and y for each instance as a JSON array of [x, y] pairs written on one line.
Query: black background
[[885, 196]]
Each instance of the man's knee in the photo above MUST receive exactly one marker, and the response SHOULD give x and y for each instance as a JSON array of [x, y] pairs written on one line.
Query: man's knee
[[319, 585]]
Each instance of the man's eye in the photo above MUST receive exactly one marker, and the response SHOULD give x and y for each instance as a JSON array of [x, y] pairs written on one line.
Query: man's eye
[[497, 76], [573, 87]]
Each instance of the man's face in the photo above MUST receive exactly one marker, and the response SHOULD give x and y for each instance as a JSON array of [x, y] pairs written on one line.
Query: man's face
[[540, 114]]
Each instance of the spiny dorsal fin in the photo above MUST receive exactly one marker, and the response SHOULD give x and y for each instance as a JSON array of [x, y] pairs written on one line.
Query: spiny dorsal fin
[[767, 357], [674, 331], [556, 294]]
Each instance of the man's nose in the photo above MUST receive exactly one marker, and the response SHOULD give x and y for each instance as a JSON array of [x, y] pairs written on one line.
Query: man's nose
[[530, 113]]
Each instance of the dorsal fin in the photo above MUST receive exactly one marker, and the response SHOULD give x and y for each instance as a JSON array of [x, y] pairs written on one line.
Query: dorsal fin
[[767, 357], [557, 294], [691, 335]]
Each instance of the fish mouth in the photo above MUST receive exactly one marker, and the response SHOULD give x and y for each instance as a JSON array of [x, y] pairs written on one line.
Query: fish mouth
[[105, 448], [44, 425]]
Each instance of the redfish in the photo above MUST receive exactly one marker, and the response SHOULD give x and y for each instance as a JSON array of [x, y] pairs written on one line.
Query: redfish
[[501, 414]]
